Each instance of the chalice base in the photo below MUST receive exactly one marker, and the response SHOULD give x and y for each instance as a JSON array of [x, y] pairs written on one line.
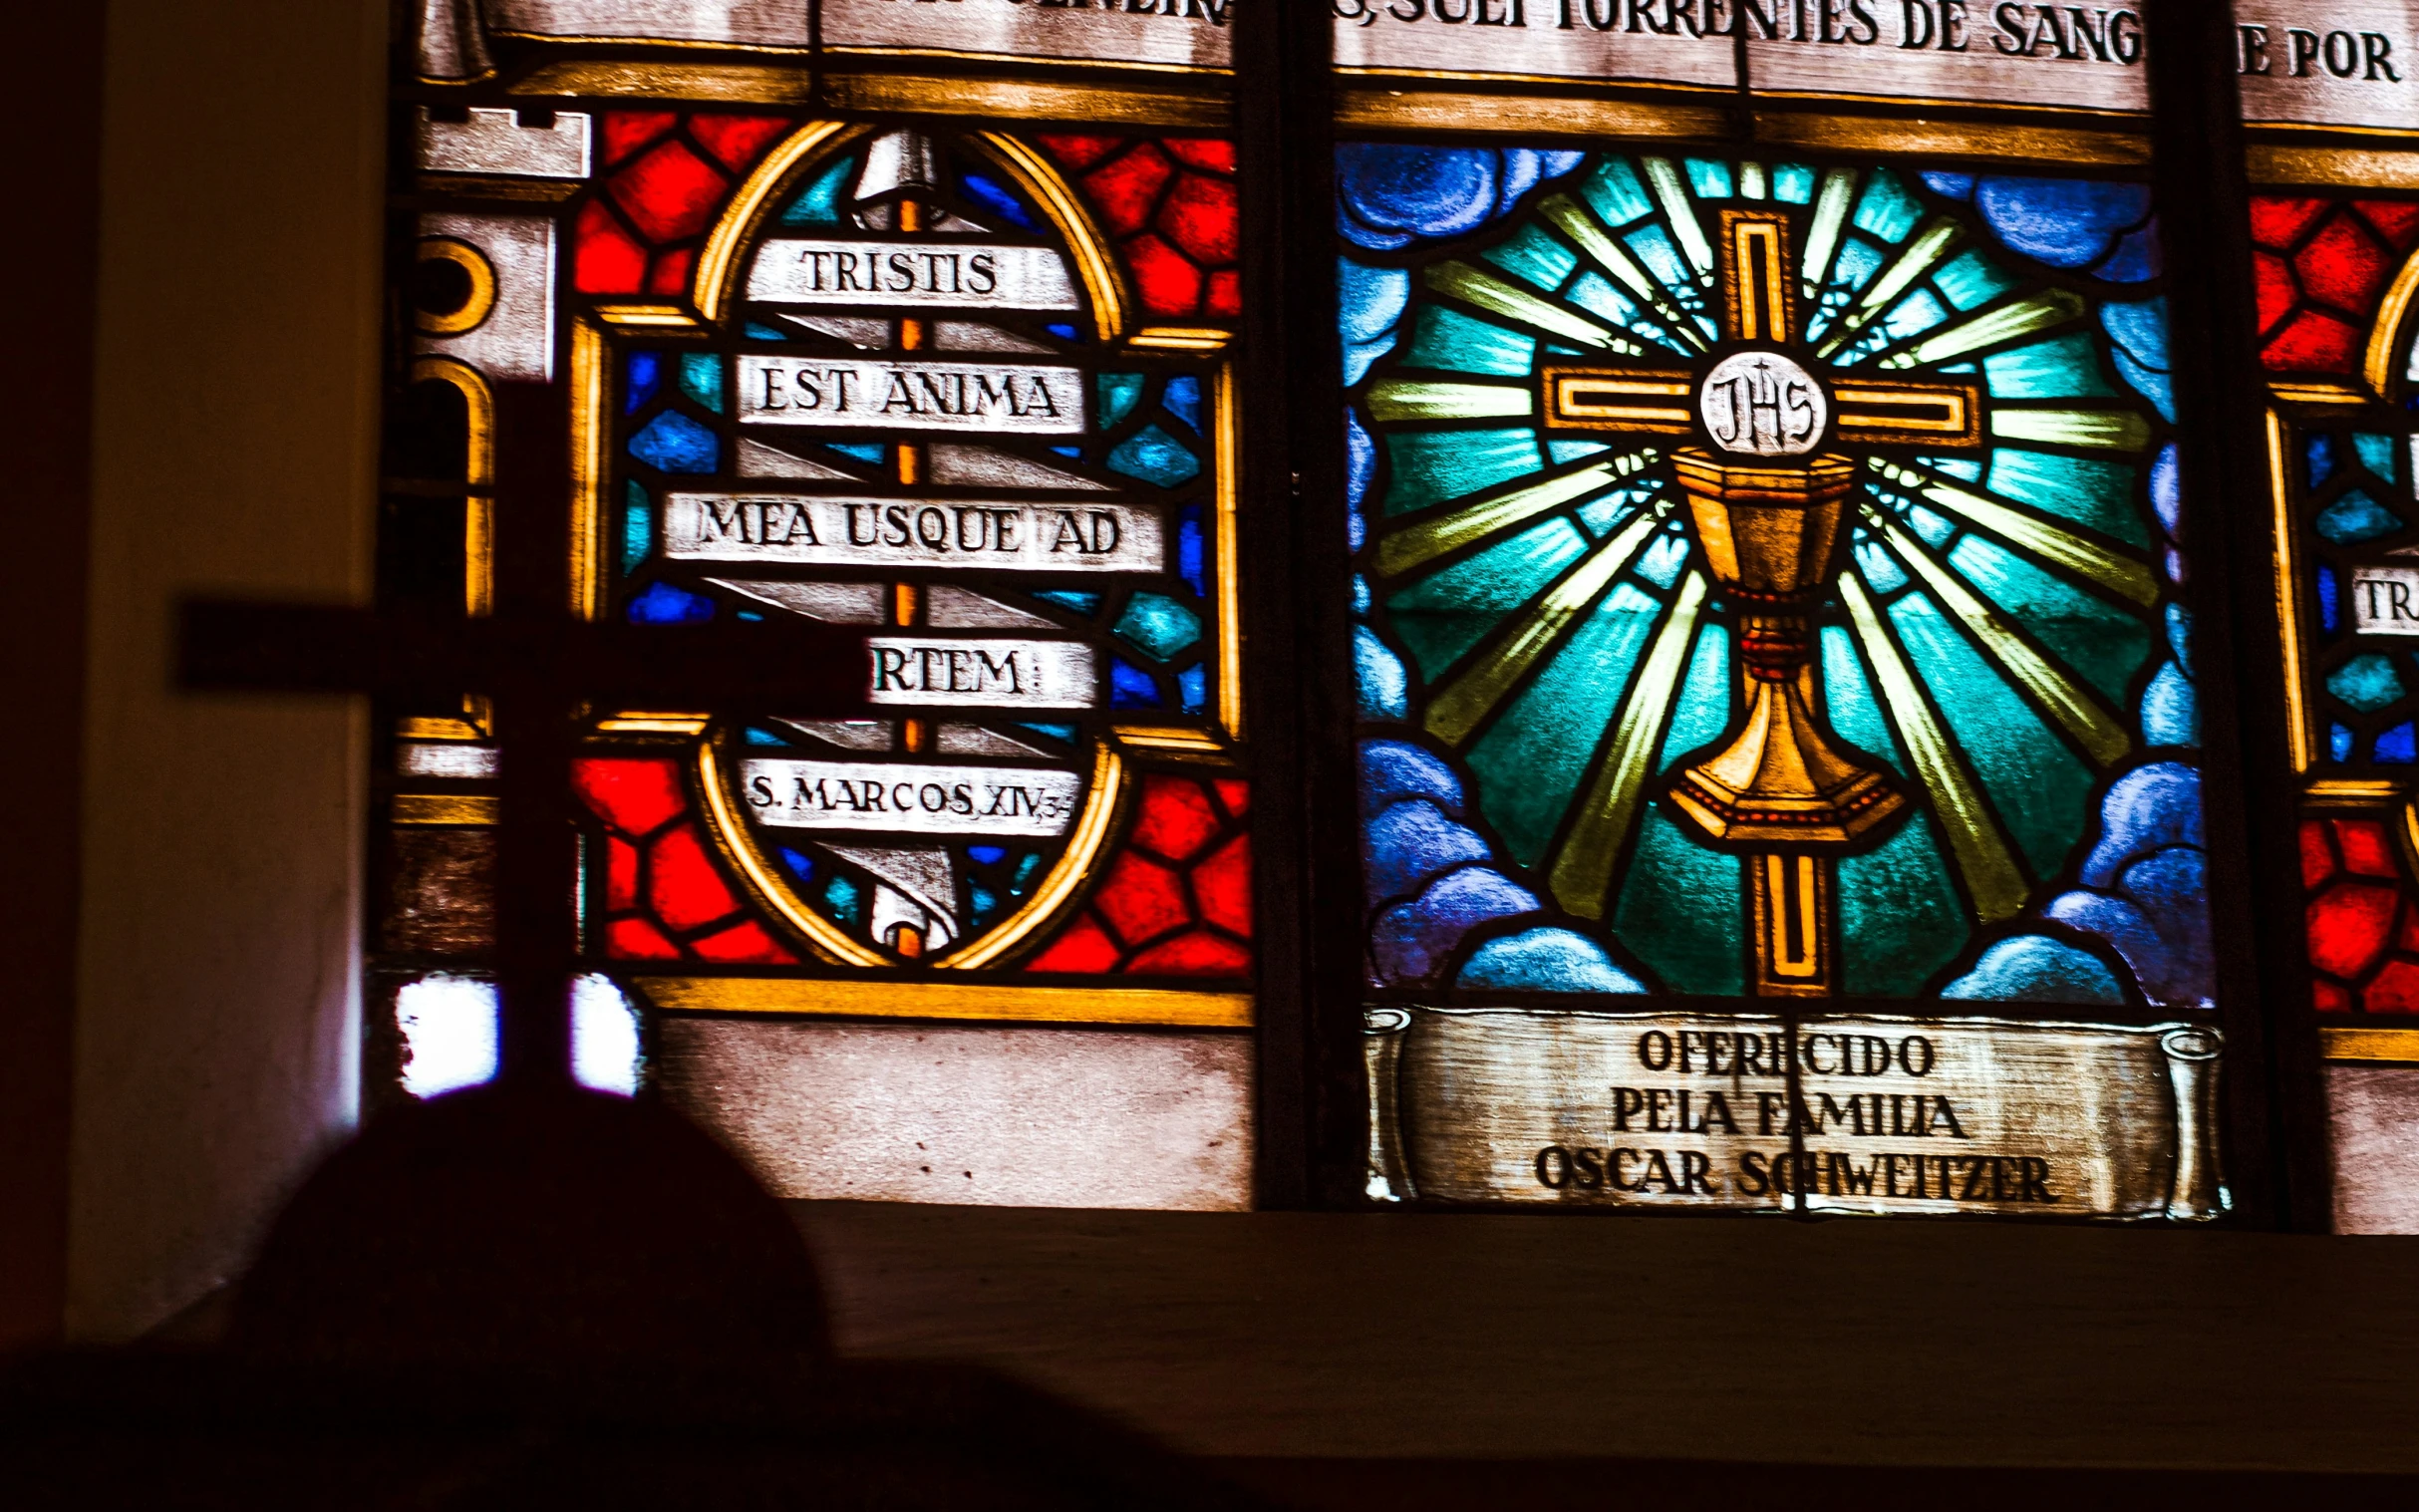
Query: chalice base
[[1781, 783]]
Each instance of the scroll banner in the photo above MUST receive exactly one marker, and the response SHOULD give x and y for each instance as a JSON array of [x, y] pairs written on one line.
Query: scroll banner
[[1897, 1115]]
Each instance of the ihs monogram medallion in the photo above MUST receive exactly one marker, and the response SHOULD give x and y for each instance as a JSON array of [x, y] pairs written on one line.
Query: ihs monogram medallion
[[1765, 499]]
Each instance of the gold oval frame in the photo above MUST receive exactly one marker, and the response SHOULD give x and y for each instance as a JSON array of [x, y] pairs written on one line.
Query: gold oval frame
[[715, 292], [474, 309]]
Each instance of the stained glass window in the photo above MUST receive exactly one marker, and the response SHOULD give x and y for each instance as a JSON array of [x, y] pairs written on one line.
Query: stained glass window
[[967, 383], [1729, 695], [2333, 225]]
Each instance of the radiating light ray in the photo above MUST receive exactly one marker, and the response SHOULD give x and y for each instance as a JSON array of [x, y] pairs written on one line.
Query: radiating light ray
[[1975, 846], [1419, 543], [1680, 211], [2077, 709], [1751, 181], [2098, 430], [2050, 307], [1583, 869], [1472, 287], [1920, 257], [1575, 222], [1463, 703], [1418, 399], [1823, 238], [2120, 575]]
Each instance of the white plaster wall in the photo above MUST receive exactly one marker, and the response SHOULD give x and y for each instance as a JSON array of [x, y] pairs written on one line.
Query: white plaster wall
[[234, 451]]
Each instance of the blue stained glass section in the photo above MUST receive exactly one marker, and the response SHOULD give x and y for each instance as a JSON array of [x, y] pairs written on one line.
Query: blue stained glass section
[[998, 201], [863, 451], [1084, 603], [2338, 743], [2318, 458], [843, 898], [1158, 625], [2355, 517], [1793, 183], [1062, 332], [1370, 302], [673, 442], [758, 331], [1130, 687], [819, 202], [645, 376], [1066, 732], [663, 604], [1950, 185], [756, 736], [1389, 196], [2327, 599], [2396, 746], [1154, 457], [701, 379], [1708, 177], [2036, 969], [1182, 398], [2064, 222], [1546, 960], [988, 855], [1193, 685], [1191, 553], [800, 865]]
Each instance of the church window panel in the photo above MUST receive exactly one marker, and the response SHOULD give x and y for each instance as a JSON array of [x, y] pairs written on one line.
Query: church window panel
[[2329, 102]]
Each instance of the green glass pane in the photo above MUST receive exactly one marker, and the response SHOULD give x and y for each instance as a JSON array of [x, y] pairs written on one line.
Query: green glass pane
[[2041, 790], [1443, 337], [1535, 255], [2095, 638], [1448, 612], [1702, 710], [2059, 367], [2376, 454], [1849, 698], [1969, 280], [1118, 394], [1680, 910], [2094, 494], [1615, 193], [1708, 177], [1900, 917], [1429, 466], [1533, 757], [1887, 210], [701, 379]]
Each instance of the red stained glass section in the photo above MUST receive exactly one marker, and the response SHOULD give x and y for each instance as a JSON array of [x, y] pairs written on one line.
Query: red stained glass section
[[605, 259], [2366, 848], [2320, 270], [669, 193], [635, 796], [2349, 924], [1171, 205], [625, 132], [669, 177], [621, 874], [683, 885], [737, 141], [637, 940], [2362, 917], [745, 941], [1176, 899]]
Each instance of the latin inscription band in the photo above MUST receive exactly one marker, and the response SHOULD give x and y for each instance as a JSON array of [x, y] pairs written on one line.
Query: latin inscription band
[[836, 393], [991, 534], [958, 275], [946, 672], [899, 797]]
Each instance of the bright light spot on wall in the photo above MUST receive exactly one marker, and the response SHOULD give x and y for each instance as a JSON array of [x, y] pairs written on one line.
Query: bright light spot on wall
[[449, 1027], [448, 1031], [604, 1037]]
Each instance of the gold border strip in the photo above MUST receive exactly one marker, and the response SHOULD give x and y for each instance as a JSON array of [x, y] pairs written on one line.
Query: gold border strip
[[2351, 792], [1094, 260], [444, 809], [589, 426], [2288, 623], [717, 262], [1458, 111], [2392, 1046], [2338, 168], [1184, 338], [2318, 394], [623, 316], [1901, 137], [1229, 461], [478, 446], [2379, 367], [639, 721], [1027, 100], [978, 1002], [1073, 871], [739, 83]]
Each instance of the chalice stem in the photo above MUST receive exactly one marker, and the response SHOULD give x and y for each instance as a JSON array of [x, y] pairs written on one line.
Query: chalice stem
[[1790, 903]]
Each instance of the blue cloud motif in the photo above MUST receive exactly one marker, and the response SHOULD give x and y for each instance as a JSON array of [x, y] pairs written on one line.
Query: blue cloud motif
[[2144, 892], [1390, 196], [2139, 330], [2077, 223], [1546, 959], [1369, 301]]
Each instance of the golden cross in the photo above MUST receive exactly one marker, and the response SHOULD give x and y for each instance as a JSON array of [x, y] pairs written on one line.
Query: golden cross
[[1765, 501]]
